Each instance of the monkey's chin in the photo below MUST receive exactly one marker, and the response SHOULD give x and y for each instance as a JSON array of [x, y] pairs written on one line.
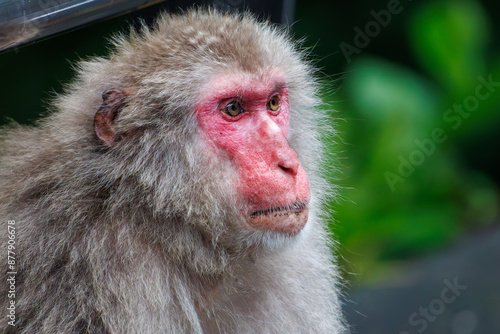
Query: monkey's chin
[[288, 220]]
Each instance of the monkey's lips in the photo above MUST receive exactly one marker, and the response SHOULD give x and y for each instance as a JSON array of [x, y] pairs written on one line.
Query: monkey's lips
[[289, 219]]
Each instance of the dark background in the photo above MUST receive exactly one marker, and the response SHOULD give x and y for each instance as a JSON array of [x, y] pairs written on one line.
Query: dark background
[[401, 246]]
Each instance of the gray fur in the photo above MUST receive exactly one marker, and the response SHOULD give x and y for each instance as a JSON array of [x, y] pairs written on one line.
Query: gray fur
[[143, 237]]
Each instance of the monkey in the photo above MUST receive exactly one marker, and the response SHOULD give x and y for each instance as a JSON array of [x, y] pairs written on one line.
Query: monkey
[[176, 186]]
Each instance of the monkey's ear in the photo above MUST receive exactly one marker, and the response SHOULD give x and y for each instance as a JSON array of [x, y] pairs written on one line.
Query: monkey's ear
[[113, 101]]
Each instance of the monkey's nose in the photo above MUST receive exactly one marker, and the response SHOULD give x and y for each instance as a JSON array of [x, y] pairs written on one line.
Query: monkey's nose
[[282, 155], [288, 161]]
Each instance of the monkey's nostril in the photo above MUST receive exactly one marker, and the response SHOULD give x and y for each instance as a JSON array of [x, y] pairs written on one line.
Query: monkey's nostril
[[286, 169], [289, 165], [287, 160]]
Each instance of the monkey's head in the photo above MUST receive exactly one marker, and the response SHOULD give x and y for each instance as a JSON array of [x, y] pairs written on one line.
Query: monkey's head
[[209, 112]]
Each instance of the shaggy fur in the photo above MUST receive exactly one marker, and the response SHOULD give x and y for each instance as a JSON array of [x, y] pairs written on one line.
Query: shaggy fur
[[144, 237]]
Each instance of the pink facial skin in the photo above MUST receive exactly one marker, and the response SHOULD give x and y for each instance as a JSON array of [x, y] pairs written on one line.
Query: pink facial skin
[[271, 181]]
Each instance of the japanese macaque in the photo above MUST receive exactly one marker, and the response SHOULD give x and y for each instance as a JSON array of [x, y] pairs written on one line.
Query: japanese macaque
[[175, 188]]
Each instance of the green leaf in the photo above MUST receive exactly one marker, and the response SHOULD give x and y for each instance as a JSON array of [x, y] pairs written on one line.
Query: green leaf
[[449, 39]]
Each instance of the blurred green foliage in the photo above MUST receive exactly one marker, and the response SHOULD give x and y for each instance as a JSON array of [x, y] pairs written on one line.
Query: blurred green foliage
[[408, 188]]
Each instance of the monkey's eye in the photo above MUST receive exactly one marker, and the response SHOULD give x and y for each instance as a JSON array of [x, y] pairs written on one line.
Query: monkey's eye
[[274, 103], [233, 109]]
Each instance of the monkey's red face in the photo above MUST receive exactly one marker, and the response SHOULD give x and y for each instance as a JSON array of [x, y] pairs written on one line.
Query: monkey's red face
[[248, 118]]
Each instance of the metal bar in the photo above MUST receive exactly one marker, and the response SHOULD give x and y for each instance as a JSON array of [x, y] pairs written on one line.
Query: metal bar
[[24, 21]]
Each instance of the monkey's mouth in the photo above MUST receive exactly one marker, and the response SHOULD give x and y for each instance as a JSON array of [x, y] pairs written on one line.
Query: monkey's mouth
[[296, 208]]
